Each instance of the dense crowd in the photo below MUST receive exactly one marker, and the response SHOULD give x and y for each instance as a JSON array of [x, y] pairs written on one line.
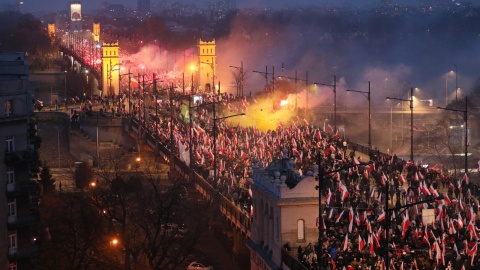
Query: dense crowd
[[431, 222]]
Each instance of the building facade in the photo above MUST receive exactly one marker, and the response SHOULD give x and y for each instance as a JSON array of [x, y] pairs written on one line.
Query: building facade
[[19, 167], [285, 207]]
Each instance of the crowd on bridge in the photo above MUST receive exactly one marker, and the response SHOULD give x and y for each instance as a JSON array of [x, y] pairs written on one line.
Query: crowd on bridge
[[432, 217]]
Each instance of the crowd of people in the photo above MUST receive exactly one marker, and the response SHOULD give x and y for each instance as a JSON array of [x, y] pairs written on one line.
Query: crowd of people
[[431, 220]]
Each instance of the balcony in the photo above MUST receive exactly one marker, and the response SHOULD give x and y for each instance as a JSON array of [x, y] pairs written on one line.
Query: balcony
[[15, 222], [22, 188], [17, 157], [17, 253]]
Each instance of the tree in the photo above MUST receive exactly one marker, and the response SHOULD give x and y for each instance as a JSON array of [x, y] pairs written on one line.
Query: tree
[[83, 175], [147, 209], [48, 183], [75, 234]]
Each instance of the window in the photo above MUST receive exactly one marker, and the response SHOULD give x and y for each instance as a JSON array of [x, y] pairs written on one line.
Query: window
[[8, 107], [10, 176], [12, 207], [13, 266], [10, 140], [301, 229], [12, 244]]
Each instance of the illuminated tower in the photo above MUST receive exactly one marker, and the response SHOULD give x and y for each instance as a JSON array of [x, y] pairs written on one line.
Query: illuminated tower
[[75, 16], [96, 32], [207, 65], [110, 68], [51, 32]]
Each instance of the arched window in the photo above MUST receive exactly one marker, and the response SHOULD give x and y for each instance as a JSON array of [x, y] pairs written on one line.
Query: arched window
[[301, 229]]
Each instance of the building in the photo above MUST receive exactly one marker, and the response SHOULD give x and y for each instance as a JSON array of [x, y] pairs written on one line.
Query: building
[[19, 167], [285, 207], [207, 65]]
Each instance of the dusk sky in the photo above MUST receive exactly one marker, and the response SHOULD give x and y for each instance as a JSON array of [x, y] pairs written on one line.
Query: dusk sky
[[54, 5]]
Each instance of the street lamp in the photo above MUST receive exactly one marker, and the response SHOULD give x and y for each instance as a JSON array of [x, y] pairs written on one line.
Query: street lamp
[[334, 88], [319, 178], [296, 79], [388, 221], [240, 89], [265, 75], [411, 119], [215, 119], [367, 95], [456, 83], [465, 118]]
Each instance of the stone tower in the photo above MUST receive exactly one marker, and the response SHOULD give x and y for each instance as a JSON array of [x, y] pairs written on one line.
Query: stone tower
[[110, 68], [207, 65], [96, 32]]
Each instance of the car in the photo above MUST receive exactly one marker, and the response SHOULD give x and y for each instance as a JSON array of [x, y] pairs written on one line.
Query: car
[[198, 266]]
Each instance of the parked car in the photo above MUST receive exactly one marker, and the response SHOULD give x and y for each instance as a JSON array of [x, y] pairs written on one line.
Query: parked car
[[198, 266]]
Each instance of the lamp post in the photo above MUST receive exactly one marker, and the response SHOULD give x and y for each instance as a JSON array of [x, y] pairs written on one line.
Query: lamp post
[[334, 88], [411, 119], [388, 221], [465, 118], [265, 75], [367, 95], [129, 87], [65, 89], [215, 119], [240, 89], [296, 79], [456, 83], [319, 178]]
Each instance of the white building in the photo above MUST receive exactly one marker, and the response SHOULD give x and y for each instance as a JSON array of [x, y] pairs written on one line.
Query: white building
[[285, 208]]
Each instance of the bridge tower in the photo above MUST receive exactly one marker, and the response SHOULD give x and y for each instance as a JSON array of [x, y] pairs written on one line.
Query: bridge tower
[[207, 65], [51, 32], [96, 32], [110, 68], [75, 16]]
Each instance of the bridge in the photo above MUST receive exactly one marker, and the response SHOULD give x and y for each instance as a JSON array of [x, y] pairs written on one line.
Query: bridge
[[83, 53]]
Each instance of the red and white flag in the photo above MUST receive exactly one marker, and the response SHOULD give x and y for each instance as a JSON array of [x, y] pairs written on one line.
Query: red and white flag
[[345, 242], [339, 217], [381, 217], [361, 243], [329, 197]]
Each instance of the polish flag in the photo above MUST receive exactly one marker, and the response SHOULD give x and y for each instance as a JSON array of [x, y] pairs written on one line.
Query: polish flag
[[473, 251], [466, 179], [330, 129], [405, 224], [361, 243], [372, 195], [355, 161], [329, 197], [381, 217], [345, 243], [447, 199], [365, 174], [401, 179], [339, 217], [350, 218], [370, 245], [459, 221]]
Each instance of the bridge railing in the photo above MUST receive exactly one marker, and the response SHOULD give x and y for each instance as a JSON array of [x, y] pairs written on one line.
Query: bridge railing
[[238, 217]]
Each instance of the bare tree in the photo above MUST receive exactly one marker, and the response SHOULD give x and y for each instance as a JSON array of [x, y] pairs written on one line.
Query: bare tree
[[148, 210]]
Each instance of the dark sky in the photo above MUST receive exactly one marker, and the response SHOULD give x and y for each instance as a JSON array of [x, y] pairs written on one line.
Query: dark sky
[[54, 5]]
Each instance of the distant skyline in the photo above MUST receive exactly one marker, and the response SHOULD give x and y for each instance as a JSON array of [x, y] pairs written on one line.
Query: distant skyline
[[55, 5]]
